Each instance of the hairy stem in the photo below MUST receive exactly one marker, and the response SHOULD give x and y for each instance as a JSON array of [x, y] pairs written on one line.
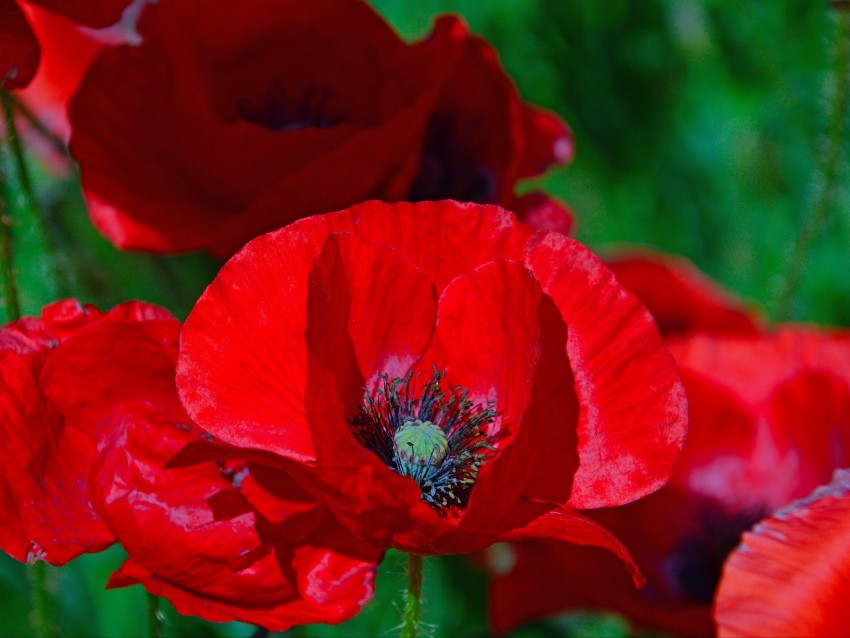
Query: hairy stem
[[40, 617], [413, 598], [830, 162], [156, 619]]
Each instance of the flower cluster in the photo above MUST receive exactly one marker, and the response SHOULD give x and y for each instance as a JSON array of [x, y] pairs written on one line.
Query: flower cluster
[[403, 348], [769, 414]]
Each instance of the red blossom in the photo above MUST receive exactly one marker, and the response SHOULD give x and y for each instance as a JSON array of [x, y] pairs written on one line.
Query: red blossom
[[679, 296], [790, 577], [551, 413], [769, 421], [96, 420], [187, 142]]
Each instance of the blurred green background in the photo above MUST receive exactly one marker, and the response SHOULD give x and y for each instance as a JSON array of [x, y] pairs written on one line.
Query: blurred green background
[[699, 128]]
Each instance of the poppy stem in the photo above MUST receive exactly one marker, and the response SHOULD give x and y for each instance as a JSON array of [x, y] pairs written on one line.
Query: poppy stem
[[29, 224], [7, 271], [40, 616], [830, 162], [156, 619], [410, 620]]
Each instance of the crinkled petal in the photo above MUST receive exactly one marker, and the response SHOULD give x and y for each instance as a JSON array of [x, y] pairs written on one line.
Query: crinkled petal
[[209, 557], [123, 359], [45, 467], [791, 575], [62, 376], [632, 406]]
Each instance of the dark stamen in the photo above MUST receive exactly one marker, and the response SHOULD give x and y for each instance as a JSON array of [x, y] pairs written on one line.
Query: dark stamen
[[435, 439]]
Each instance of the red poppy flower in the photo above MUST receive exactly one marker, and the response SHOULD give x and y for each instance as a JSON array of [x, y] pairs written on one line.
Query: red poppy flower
[[791, 574], [680, 297], [769, 421], [19, 47], [187, 142], [508, 378], [94, 394], [226, 546], [47, 454]]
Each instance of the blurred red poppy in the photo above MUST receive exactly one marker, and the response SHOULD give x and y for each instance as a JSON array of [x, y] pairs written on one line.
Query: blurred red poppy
[[187, 142], [226, 546], [508, 378], [679, 296], [769, 421], [790, 577], [19, 48], [94, 394]]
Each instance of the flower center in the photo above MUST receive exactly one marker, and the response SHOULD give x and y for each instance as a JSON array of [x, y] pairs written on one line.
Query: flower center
[[283, 108], [435, 439]]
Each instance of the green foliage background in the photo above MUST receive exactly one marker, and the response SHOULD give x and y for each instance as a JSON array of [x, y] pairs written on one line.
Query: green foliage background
[[699, 127]]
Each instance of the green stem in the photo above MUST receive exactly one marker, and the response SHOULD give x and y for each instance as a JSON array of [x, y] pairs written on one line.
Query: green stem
[[14, 141], [156, 619], [829, 167], [413, 598], [33, 222], [7, 271], [40, 616]]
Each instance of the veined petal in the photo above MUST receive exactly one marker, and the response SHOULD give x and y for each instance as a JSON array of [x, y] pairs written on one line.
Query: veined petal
[[632, 406], [791, 575]]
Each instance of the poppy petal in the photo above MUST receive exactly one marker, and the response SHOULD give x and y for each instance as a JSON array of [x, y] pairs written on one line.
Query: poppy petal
[[487, 338], [240, 380], [632, 406], [45, 497], [114, 362], [568, 526], [208, 557], [370, 311], [791, 575], [445, 238]]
